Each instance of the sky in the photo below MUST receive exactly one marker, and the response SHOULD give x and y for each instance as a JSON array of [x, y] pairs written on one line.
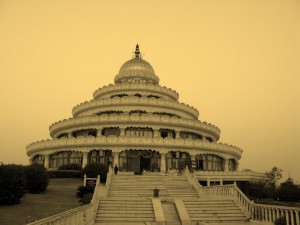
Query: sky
[[236, 61]]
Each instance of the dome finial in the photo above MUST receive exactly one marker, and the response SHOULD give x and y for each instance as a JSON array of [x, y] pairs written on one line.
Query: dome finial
[[137, 51]]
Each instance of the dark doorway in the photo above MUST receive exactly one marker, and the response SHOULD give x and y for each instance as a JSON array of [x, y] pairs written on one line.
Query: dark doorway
[[144, 163]]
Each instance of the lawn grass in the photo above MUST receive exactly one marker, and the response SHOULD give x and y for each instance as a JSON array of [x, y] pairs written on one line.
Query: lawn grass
[[59, 196]]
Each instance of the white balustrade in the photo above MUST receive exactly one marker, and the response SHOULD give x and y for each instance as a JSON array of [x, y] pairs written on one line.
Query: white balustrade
[[261, 212], [83, 215]]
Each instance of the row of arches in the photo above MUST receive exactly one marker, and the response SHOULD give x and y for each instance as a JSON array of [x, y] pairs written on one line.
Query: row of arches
[[136, 95], [135, 131], [136, 111], [138, 160]]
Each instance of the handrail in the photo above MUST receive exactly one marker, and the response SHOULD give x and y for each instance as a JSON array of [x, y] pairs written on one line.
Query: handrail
[[260, 212], [192, 180], [82, 215], [108, 180]]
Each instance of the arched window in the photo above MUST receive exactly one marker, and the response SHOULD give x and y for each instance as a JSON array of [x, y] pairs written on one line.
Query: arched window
[[139, 131], [108, 131], [65, 157], [38, 159], [192, 135], [176, 159], [209, 162], [167, 133], [231, 165], [100, 157], [85, 133]]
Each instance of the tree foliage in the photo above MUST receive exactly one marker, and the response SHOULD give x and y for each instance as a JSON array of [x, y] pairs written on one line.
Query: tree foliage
[[12, 183], [94, 169], [288, 191], [274, 175], [36, 178]]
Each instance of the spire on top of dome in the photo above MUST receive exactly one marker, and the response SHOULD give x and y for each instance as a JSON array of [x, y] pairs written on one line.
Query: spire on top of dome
[[137, 51]]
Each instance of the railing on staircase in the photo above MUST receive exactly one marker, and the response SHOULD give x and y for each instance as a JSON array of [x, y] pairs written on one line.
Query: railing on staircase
[[192, 180], [83, 215], [259, 212], [108, 180]]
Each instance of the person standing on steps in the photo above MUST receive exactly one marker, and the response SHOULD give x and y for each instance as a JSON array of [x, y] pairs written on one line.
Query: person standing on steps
[[116, 169]]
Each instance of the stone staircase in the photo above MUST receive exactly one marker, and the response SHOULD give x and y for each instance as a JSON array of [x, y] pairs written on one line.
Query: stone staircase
[[142, 186], [130, 197], [215, 211]]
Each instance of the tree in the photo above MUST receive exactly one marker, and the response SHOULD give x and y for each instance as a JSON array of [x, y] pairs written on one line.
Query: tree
[[288, 191], [274, 175]]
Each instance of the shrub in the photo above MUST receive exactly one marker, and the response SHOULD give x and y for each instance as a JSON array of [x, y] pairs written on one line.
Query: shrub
[[280, 221], [70, 166], [93, 170], [85, 193], [64, 174], [36, 178], [12, 183]]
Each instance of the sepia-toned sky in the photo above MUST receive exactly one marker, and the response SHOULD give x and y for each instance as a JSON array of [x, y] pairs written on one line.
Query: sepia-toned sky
[[237, 62]]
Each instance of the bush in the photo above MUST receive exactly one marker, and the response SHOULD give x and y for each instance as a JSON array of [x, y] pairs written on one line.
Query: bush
[[85, 193], [12, 183], [93, 170], [36, 178], [71, 166], [64, 174], [288, 191], [280, 221]]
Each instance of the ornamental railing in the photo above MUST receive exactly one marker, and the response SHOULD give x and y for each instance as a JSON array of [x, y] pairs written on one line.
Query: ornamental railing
[[259, 212], [108, 180], [83, 215]]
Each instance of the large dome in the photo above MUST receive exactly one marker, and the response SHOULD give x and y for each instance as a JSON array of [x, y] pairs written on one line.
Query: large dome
[[136, 70]]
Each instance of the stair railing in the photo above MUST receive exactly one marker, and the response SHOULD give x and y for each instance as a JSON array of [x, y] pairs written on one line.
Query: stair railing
[[260, 212], [267, 213], [83, 215], [191, 178], [108, 180]]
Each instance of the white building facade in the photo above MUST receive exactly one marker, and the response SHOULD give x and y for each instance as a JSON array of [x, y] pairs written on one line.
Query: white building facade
[[140, 126]]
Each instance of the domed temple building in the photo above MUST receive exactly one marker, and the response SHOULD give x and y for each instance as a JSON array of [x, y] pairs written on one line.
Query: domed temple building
[[140, 126]]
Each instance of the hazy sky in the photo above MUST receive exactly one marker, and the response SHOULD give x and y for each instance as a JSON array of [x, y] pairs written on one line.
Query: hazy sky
[[237, 62]]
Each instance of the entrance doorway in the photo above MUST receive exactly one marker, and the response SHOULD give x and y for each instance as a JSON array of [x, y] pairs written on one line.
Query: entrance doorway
[[139, 160]]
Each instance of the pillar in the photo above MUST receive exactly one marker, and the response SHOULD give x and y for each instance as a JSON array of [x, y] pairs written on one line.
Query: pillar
[[177, 134], [122, 131], [70, 134], [156, 133], [162, 162], [46, 163], [203, 138], [237, 165], [221, 182], [116, 159], [84, 159], [208, 182], [193, 159], [226, 162], [99, 132]]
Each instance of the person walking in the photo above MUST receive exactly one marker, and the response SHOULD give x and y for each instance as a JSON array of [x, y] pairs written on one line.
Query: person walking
[[116, 169]]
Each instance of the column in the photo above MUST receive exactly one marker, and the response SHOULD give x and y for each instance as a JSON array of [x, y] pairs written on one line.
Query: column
[[84, 159], [156, 133], [177, 134], [226, 162], [116, 159], [46, 163], [221, 182], [70, 134], [237, 165], [208, 182], [162, 162], [203, 138], [122, 131], [99, 132], [193, 159]]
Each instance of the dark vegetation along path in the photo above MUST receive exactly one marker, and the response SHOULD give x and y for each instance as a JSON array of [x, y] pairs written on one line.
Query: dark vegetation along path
[[60, 196]]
